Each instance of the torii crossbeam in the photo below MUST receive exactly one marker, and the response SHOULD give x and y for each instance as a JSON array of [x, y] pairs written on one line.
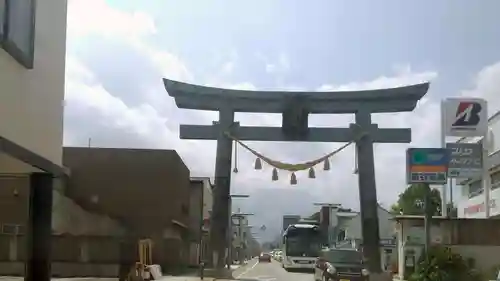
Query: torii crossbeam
[[295, 107]]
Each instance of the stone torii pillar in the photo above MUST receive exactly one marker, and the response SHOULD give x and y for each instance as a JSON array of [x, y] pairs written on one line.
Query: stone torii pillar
[[295, 107]]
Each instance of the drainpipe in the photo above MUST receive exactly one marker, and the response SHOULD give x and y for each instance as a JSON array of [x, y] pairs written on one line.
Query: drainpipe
[[202, 213]]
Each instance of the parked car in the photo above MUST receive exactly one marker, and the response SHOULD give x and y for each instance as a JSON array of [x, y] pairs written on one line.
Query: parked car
[[340, 265], [265, 257], [279, 256]]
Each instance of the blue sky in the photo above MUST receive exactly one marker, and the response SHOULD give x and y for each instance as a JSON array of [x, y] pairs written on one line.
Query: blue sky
[[325, 40], [119, 50]]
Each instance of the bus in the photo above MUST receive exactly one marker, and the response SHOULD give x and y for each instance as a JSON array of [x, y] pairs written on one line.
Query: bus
[[302, 244]]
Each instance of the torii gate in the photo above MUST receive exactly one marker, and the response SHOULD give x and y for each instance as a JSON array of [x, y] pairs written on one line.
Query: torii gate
[[295, 107]]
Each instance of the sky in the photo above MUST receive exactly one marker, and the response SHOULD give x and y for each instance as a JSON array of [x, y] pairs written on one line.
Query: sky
[[118, 51]]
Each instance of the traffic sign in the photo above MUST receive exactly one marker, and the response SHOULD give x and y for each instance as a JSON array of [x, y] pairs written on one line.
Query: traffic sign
[[466, 160], [427, 165]]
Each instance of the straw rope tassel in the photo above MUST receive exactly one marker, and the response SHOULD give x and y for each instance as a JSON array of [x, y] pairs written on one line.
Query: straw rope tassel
[[326, 164], [258, 164], [312, 174], [293, 179], [275, 174]]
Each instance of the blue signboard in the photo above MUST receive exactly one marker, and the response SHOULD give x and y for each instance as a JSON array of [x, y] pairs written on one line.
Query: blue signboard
[[427, 165]]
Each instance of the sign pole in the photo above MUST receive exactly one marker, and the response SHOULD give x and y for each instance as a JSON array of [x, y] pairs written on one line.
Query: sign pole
[[468, 117], [486, 177], [444, 196], [427, 218]]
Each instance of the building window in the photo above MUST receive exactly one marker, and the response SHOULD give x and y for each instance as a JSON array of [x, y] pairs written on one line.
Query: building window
[[475, 188], [17, 32], [495, 180]]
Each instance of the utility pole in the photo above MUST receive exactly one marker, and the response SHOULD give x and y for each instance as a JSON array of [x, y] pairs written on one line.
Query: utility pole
[[426, 205], [241, 233], [229, 258], [429, 212]]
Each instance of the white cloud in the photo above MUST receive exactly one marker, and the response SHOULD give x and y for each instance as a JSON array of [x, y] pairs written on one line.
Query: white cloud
[[487, 85], [403, 77], [279, 66], [87, 17]]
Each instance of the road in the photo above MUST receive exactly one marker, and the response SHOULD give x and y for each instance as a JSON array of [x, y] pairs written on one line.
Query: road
[[273, 271], [253, 271]]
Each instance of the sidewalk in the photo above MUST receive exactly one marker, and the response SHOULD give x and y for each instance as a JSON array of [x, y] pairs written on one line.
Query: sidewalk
[[191, 277], [164, 278]]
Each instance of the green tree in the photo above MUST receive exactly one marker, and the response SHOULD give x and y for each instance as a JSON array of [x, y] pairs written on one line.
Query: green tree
[[395, 209], [411, 201]]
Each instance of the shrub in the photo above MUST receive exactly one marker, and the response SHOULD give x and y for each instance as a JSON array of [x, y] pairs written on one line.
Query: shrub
[[492, 273], [441, 264]]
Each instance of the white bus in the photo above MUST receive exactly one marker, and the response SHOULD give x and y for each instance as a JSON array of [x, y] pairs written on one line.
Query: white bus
[[301, 246]]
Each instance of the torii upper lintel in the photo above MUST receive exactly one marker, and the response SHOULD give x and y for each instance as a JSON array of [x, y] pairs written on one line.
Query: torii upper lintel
[[399, 99]]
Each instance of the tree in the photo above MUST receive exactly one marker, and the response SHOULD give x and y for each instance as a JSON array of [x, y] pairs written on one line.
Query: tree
[[411, 201], [395, 209]]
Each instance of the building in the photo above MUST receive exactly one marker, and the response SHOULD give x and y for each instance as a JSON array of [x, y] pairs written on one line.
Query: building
[[350, 234], [353, 228], [471, 204], [33, 73], [31, 101], [342, 228], [145, 190], [473, 239], [241, 235], [332, 221], [288, 220], [200, 210], [195, 221], [32, 67], [208, 201]]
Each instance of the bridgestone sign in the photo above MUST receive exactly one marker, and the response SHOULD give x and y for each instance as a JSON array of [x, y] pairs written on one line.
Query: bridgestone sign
[[466, 160]]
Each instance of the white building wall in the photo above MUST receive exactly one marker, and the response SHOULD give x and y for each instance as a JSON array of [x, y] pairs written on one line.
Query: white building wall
[[31, 114], [386, 226], [208, 199], [31, 101], [472, 203]]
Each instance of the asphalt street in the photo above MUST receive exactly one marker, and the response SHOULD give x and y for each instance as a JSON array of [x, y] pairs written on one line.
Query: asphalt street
[[272, 271]]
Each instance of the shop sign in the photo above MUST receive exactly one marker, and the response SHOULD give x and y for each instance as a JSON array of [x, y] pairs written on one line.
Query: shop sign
[[479, 208]]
